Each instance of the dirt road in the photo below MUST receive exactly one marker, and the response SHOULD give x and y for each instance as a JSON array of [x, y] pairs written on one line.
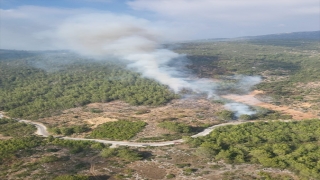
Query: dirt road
[[42, 131]]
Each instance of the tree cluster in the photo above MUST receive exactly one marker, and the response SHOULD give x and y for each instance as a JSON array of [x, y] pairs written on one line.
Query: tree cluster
[[290, 145], [67, 131], [118, 130]]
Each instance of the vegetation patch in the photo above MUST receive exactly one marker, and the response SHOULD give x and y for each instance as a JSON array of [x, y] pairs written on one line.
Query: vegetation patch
[[95, 110], [67, 131], [290, 145], [118, 130], [122, 152], [8, 148], [13, 128], [170, 176], [175, 127], [225, 115]]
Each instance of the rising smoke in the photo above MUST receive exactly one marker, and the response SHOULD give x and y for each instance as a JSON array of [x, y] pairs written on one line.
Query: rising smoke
[[239, 109], [132, 40], [137, 42]]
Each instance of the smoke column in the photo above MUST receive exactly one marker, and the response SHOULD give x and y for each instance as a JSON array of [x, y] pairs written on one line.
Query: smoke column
[[132, 40], [239, 109], [135, 41]]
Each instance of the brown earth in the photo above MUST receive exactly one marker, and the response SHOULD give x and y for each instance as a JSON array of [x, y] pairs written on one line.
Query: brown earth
[[2, 137]]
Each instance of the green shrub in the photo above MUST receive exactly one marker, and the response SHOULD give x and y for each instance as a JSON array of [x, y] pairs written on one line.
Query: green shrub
[[121, 152], [175, 127], [95, 110], [48, 159], [108, 152], [225, 115], [245, 117], [183, 165], [118, 130], [170, 176]]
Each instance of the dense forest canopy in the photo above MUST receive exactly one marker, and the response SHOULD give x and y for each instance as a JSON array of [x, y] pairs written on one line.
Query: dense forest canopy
[[285, 145], [43, 84]]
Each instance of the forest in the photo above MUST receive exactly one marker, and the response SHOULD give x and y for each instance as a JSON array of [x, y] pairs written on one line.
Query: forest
[[39, 86], [284, 145]]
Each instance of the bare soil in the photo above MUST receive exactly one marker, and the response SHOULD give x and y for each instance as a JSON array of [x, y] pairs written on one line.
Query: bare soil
[[4, 137]]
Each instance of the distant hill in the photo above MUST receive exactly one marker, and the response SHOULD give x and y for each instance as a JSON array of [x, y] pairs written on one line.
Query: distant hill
[[310, 35], [299, 40]]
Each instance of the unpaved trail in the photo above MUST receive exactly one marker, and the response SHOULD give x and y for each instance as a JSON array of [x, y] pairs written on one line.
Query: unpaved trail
[[92, 171], [251, 100], [42, 131]]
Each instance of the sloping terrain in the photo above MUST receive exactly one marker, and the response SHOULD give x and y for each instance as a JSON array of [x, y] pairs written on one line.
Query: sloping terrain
[[79, 93]]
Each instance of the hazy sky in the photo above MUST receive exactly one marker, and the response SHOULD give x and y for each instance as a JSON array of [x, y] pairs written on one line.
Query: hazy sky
[[36, 24]]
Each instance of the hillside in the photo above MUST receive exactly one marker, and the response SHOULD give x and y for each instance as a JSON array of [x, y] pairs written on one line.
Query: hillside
[[81, 97], [290, 74]]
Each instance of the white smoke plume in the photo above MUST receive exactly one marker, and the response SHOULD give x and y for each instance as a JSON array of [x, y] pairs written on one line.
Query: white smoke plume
[[132, 40], [137, 42], [246, 82], [239, 109]]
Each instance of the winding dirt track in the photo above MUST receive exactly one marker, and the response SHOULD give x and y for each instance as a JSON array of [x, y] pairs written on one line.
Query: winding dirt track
[[42, 131]]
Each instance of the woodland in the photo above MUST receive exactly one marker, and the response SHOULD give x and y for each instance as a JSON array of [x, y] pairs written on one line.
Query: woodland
[[42, 85]]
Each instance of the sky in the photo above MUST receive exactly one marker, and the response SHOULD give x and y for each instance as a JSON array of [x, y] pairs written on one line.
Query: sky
[[41, 24]]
